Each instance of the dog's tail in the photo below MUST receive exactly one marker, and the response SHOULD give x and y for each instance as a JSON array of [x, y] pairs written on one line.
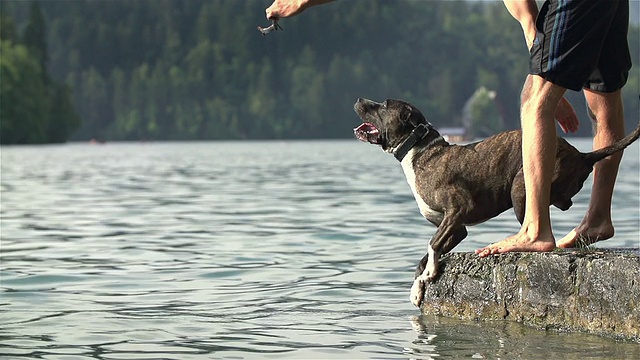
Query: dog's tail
[[598, 155]]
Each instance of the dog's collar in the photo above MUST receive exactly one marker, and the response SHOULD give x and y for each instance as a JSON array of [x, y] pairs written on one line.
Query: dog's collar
[[419, 133]]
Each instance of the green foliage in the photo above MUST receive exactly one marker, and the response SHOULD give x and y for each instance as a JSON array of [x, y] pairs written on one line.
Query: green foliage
[[34, 36], [199, 69], [23, 95], [63, 119], [33, 108], [7, 28]]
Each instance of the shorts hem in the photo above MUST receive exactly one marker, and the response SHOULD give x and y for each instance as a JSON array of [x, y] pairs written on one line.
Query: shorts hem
[[567, 84], [606, 88], [571, 85]]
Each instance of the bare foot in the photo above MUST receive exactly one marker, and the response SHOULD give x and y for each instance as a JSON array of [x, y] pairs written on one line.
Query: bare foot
[[583, 236], [517, 243]]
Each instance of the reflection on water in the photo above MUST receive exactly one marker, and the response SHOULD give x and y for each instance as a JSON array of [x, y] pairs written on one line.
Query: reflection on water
[[451, 338], [242, 250]]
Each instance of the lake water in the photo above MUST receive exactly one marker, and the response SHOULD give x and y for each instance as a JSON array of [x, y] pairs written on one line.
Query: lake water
[[277, 250]]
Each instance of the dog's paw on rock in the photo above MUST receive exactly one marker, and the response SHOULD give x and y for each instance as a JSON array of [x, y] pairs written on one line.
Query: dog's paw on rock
[[417, 291]]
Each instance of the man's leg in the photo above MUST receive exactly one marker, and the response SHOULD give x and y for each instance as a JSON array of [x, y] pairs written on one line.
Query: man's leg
[[608, 127], [540, 99]]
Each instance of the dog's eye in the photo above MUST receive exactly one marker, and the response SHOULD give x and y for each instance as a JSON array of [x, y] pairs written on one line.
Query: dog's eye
[[384, 104]]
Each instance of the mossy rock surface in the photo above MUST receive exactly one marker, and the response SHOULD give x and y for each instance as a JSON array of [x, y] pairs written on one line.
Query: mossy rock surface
[[589, 290]]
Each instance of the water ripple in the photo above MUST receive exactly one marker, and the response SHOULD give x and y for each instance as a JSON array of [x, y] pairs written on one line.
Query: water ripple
[[241, 250]]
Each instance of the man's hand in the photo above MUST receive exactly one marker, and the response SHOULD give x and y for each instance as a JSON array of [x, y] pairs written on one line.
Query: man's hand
[[287, 8], [284, 8], [566, 117]]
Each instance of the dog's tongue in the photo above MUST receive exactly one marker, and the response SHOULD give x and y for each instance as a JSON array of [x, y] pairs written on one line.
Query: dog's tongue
[[367, 132]]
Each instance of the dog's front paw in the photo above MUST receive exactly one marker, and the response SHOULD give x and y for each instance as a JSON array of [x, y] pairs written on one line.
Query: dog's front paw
[[430, 272], [429, 267], [417, 291]]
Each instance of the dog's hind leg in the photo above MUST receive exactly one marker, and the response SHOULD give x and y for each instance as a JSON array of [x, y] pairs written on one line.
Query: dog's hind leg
[[428, 268], [518, 196], [563, 204]]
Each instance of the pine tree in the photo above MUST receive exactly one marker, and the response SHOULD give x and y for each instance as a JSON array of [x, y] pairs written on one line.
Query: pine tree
[[7, 29], [35, 108], [34, 37]]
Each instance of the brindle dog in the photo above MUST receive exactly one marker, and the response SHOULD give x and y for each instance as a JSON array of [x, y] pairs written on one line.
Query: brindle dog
[[458, 186]]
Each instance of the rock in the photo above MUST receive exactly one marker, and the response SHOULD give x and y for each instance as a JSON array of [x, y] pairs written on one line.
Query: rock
[[592, 290]]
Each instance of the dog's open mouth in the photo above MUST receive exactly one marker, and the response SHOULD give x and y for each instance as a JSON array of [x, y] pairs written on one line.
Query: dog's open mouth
[[367, 132]]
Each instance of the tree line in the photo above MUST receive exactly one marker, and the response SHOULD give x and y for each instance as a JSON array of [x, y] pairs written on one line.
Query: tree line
[[199, 69], [33, 107]]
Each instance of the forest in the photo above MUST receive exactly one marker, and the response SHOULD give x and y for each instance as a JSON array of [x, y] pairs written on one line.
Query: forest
[[200, 70], [34, 108]]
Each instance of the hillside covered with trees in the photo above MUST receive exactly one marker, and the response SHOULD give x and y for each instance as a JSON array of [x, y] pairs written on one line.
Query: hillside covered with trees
[[34, 108], [199, 69]]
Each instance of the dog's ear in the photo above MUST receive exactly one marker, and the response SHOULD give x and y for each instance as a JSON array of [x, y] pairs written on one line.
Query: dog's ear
[[406, 114], [412, 115], [415, 116]]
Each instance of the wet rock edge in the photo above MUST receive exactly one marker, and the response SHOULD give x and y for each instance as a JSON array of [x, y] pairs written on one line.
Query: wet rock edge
[[585, 290]]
